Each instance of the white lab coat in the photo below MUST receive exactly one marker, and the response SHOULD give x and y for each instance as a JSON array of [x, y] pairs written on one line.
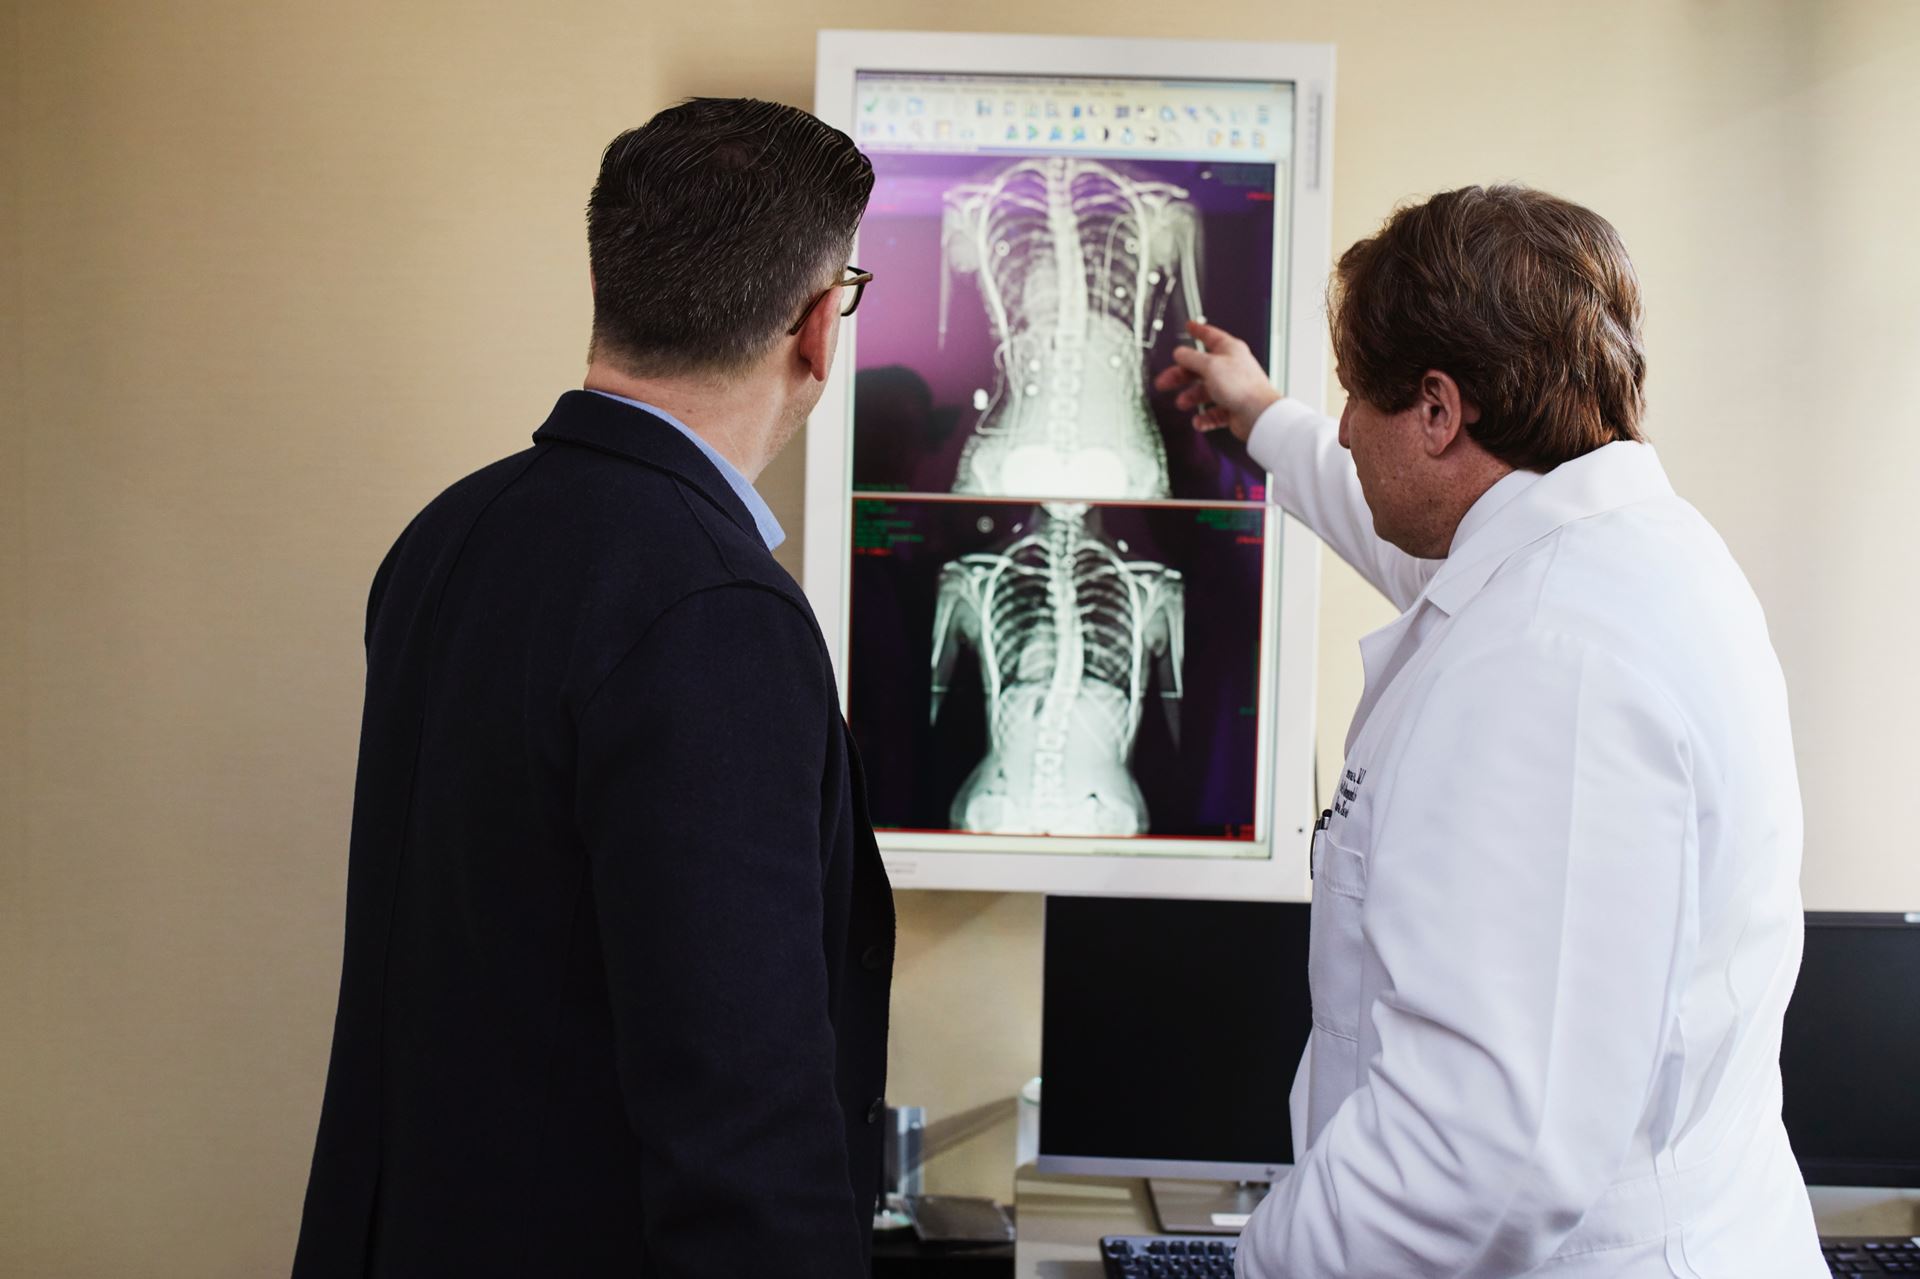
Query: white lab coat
[[1556, 910]]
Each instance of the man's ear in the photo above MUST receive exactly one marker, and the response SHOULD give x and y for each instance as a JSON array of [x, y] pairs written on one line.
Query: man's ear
[[813, 345], [1444, 411]]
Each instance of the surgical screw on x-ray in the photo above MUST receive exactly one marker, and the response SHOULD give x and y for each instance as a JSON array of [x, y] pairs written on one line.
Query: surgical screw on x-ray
[[1069, 635], [1076, 262]]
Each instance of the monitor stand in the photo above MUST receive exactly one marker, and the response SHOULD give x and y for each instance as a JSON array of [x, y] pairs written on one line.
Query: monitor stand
[[1204, 1207]]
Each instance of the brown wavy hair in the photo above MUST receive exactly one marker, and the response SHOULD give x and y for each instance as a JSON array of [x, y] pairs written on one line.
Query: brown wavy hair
[[1528, 301]]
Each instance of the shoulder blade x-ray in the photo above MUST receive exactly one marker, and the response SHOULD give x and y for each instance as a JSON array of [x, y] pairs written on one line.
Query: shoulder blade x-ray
[[1076, 262], [1069, 633]]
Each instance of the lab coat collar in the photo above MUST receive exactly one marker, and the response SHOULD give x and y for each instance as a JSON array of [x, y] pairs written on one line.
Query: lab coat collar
[[1490, 504], [1612, 476]]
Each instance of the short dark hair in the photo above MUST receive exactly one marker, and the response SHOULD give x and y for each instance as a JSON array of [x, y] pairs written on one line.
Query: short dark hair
[[1528, 301], [710, 226]]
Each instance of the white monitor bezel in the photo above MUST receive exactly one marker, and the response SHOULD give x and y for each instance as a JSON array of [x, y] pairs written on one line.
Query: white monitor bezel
[[1282, 875]]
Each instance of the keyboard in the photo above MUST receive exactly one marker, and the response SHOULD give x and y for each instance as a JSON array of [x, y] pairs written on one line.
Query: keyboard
[[1891, 1256], [1168, 1256], [1211, 1257]]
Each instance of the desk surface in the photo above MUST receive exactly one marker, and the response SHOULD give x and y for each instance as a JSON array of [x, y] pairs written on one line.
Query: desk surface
[[898, 1255], [1063, 1218]]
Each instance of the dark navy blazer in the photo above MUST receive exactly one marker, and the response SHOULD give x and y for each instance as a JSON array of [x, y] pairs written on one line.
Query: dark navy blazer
[[618, 938]]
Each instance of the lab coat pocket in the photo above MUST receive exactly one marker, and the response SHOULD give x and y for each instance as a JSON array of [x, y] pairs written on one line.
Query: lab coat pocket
[[1335, 953]]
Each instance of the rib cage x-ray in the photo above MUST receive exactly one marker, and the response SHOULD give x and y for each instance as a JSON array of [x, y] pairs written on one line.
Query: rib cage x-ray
[[1072, 639], [1076, 262]]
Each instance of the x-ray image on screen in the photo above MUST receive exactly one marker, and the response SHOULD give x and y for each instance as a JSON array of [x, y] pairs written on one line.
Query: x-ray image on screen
[[1021, 307], [1057, 668], [1074, 637], [1075, 262]]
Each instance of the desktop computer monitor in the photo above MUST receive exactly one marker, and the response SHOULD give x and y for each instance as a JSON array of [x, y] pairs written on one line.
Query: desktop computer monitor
[[1850, 1054], [1075, 638], [1170, 1031]]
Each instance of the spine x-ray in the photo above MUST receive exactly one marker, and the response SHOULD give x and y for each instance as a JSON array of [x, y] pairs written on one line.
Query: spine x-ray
[[1057, 634], [1076, 263], [1069, 634], [1057, 668]]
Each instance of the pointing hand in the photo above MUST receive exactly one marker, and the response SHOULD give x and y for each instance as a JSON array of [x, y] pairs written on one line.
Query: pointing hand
[[1222, 385]]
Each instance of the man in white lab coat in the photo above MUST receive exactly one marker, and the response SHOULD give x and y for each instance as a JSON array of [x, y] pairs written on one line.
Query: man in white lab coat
[[1556, 910]]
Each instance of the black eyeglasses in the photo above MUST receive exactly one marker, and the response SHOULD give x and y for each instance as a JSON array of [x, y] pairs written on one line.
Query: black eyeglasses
[[857, 280]]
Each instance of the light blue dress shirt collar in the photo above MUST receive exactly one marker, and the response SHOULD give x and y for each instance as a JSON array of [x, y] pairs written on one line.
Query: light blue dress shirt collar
[[770, 531]]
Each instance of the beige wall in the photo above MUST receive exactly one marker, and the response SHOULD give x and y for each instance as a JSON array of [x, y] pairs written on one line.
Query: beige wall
[[274, 274], [14, 972]]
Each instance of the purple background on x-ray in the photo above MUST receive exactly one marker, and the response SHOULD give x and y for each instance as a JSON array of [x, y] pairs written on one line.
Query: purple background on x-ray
[[909, 436], [1204, 786]]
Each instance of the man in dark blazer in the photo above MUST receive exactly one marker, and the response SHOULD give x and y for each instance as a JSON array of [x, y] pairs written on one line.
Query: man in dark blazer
[[618, 939]]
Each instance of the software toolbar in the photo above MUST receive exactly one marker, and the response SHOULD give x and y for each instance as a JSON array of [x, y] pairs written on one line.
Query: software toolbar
[[1033, 115]]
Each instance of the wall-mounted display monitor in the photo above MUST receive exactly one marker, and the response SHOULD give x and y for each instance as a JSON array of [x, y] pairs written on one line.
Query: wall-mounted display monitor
[[1075, 641]]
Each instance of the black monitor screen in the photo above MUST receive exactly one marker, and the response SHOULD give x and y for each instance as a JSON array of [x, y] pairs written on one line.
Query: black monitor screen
[[1171, 1029], [1850, 1057]]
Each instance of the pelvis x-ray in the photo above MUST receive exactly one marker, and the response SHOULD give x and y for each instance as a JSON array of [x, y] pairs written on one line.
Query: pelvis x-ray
[[1076, 263], [1057, 668], [1073, 640]]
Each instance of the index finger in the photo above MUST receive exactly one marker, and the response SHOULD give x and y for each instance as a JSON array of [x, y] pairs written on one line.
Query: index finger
[[1172, 378], [1211, 336]]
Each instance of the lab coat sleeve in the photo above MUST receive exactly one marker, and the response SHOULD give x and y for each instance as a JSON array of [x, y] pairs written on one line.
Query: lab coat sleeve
[[1313, 480], [1527, 898]]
